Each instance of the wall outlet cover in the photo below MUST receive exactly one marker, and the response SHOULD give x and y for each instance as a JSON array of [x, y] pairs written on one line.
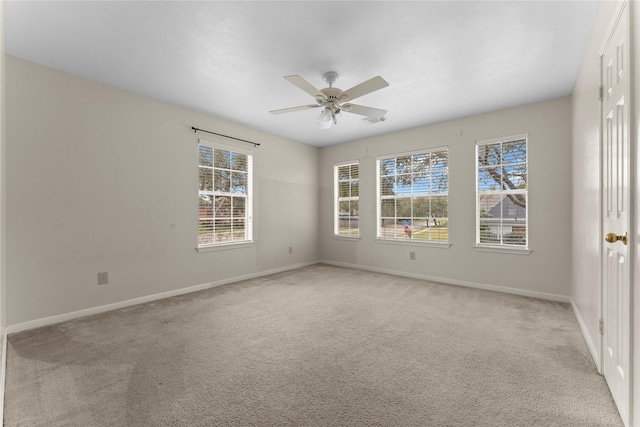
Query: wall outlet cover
[[103, 278]]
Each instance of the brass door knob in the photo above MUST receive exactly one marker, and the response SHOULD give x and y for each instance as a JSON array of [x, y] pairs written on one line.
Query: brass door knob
[[613, 237]]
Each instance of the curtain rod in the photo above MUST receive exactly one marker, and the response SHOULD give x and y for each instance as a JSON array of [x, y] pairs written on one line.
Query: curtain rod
[[255, 144]]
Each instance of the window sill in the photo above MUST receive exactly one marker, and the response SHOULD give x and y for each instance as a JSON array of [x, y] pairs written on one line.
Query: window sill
[[503, 250], [224, 246], [444, 245], [346, 237]]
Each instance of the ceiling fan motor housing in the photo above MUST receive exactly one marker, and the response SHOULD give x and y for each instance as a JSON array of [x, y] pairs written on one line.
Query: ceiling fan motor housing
[[334, 94]]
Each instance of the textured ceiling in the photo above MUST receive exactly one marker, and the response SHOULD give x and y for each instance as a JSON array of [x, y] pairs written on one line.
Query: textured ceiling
[[442, 59]]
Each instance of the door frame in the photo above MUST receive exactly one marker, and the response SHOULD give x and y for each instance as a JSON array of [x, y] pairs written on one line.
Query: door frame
[[633, 406]]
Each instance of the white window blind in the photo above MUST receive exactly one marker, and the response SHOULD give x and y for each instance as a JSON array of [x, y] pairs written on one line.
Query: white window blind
[[347, 196], [501, 192], [224, 195], [413, 196]]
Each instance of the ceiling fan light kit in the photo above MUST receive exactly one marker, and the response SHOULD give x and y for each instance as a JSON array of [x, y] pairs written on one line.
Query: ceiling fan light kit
[[334, 100], [324, 119]]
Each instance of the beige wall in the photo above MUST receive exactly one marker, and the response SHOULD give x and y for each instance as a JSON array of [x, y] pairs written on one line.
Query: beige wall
[[100, 179], [544, 273]]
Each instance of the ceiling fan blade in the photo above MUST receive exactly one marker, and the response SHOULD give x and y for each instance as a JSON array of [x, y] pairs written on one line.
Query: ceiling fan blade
[[364, 111], [364, 88], [305, 86], [291, 109]]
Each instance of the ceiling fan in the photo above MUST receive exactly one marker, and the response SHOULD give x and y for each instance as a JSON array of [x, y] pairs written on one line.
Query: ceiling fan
[[334, 100]]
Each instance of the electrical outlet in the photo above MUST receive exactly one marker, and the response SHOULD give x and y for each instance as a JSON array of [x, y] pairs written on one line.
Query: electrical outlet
[[103, 278], [290, 250], [412, 256]]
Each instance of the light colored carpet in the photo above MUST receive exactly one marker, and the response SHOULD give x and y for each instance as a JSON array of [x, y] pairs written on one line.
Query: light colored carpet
[[318, 346]]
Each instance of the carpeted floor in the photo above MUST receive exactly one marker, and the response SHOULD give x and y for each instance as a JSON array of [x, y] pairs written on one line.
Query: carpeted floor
[[318, 346]]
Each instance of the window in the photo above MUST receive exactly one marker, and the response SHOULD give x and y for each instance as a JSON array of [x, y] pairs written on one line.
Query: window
[[501, 212], [346, 191], [413, 196], [224, 195]]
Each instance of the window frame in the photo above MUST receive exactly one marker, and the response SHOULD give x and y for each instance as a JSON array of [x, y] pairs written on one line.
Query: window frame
[[337, 199], [214, 144], [379, 197], [501, 246]]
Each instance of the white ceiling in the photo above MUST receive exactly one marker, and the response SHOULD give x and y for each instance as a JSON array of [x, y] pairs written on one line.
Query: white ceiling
[[442, 59]]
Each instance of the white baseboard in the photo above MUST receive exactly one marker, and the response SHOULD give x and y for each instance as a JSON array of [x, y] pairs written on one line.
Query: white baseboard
[[595, 354], [514, 291], [32, 324], [3, 371], [11, 329]]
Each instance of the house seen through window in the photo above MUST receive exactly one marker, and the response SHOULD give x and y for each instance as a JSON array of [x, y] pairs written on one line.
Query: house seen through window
[[501, 192]]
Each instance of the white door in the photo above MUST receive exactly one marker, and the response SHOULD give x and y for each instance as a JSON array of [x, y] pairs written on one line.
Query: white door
[[616, 219]]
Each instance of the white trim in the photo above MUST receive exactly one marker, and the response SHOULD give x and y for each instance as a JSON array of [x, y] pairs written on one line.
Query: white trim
[[248, 196], [223, 144], [19, 327], [32, 324], [347, 162], [414, 242], [601, 308], [3, 208], [595, 353], [487, 287], [632, 404], [509, 138], [378, 208], [617, 15], [409, 153], [225, 246], [480, 143], [355, 238], [3, 373], [503, 250], [380, 197], [336, 195]]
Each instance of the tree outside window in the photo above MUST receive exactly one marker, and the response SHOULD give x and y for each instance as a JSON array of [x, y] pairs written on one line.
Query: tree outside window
[[413, 196], [224, 195], [502, 192]]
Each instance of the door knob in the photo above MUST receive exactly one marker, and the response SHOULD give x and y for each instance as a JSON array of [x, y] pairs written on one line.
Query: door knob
[[613, 237]]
